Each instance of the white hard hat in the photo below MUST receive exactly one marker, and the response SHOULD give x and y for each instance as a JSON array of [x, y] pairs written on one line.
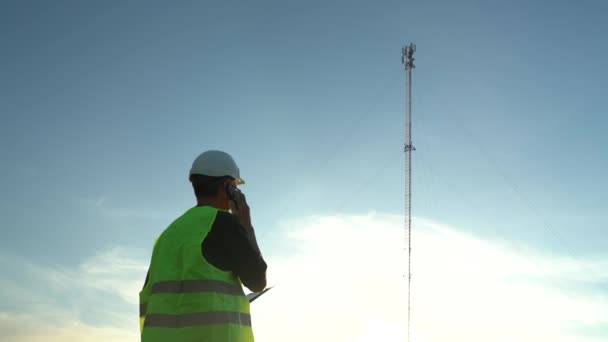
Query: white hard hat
[[216, 164]]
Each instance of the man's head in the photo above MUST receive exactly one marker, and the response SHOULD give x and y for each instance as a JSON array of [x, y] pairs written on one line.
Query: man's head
[[210, 174], [211, 190]]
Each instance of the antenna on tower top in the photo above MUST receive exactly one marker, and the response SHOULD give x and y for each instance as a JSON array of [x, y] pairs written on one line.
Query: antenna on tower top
[[407, 55], [407, 58]]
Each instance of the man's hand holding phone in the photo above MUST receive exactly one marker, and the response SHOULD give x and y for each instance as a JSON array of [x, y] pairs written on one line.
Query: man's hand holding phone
[[239, 206]]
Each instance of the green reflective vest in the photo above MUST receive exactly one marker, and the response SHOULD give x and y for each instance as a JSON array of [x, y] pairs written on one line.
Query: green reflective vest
[[186, 298]]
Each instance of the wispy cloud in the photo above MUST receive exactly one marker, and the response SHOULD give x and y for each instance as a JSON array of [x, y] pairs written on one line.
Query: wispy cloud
[[95, 302], [116, 271], [345, 282], [103, 206]]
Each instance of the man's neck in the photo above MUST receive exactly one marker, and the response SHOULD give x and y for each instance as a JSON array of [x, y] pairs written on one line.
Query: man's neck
[[208, 202]]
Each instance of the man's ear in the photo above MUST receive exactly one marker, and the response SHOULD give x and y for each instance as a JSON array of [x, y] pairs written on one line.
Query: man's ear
[[227, 181], [225, 184]]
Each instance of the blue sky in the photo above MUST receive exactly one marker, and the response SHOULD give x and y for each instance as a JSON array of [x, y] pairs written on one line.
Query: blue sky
[[105, 105]]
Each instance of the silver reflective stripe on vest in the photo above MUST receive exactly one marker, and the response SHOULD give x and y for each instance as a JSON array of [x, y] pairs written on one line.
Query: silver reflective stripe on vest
[[193, 286], [197, 319], [142, 309]]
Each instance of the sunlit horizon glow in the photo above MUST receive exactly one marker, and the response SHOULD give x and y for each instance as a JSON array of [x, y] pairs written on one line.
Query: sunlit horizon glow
[[344, 281]]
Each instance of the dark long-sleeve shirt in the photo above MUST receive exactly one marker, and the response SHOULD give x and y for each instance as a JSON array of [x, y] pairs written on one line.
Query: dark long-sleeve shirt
[[229, 247]]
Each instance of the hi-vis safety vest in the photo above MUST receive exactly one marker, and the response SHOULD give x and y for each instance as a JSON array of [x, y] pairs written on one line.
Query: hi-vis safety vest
[[186, 298]]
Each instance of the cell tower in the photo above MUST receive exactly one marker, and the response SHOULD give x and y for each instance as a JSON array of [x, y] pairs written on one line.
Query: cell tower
[[407, 58]]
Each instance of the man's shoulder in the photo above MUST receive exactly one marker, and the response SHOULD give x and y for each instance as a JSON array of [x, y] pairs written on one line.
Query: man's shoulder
[[226, 217], [226, 220]]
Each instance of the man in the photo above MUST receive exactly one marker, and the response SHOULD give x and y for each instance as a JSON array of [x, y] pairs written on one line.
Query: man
[[193, 288]]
